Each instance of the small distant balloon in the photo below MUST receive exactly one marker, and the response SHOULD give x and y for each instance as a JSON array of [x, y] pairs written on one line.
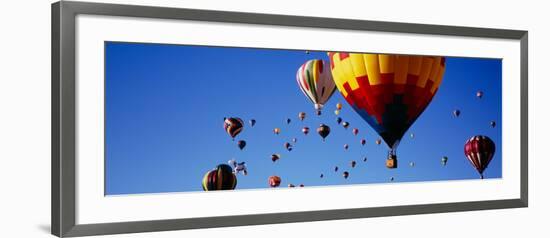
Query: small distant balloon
[[338, 106], [336, 112], [233, 126], [301, 185], [305, 130], [294, 140], [456, 113], [412, 135], [411, 164], [277, 131], [363, 141], [355, 131], [493, 124], [353, 163], [307, 52], [302, 116], [275, 157], [444, 160], [345, 124], [479, 94], [241, 144], [274, 181], [288, 146], [378, 141], [252, 122], [291, 185], [346, 146], [335, 168], [365, 159], [288, 121], [339, 120], [345, 174], [323, 131], [322, 175], [392, 178]]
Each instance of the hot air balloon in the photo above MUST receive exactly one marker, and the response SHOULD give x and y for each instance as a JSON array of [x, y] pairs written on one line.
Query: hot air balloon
[[315, 80], [239, 167], [307, 52], [301, 185], [291, 185], [339, 120], [392, 178], [233, 126], [274, 181], [338, 106], [388, 91], [493, 124], [412, 135], [479, 150], [294, 140], [323, 131], [365, 159], [444, 160], [288, 121], [335, 168], [363, 141], [305, 130], [346, 146], [277, 131], [411, 164], [378, 141], [241, 144], [456, 113], [220, 178], [336, 112], [288, 146], [355, 131], [252, 122], [275, 157], [302, 116], [479, 94], [353, 163], [345, 124], [345, 174], [322, 175]]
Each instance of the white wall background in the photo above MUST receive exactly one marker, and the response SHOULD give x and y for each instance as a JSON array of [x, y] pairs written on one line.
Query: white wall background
[[25, 118]]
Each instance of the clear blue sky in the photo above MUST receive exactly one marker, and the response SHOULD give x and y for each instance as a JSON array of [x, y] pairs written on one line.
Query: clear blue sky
[[165, 106]]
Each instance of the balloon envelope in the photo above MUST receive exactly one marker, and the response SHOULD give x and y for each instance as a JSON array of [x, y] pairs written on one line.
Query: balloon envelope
[[241, 144], [479, 150], [220, 178], [274, 181], [315, 80], [233, 126], [323, 130]]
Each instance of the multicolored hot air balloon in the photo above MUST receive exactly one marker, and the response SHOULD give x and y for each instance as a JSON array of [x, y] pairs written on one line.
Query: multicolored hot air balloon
[[233, 126], [444, 160], [288, 146], [345, 124], [363, 141], [275, 157], [479, 150], [336, 112], [220, 178], [302, 116], [345, 174], [479, 94], [338, 106], [388, 91], [274, 181], [241, 144], [315, 80], [323, 131], [277, 131], [305, 130], [378, 141]]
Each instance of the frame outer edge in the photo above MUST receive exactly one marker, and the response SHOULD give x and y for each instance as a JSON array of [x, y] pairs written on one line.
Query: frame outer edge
[[55, 120], [524, 61]]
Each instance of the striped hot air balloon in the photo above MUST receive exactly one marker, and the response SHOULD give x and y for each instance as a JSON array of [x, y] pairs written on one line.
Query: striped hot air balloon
[[479, 150], [233, 126], [388, 91], [315, 80], [220, 178]]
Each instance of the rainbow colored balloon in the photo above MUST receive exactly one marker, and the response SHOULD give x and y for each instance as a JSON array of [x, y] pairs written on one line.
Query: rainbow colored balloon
[[315, 81], [388, 91]]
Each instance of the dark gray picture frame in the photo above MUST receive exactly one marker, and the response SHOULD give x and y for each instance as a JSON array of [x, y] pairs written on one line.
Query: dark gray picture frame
[[63, 117]]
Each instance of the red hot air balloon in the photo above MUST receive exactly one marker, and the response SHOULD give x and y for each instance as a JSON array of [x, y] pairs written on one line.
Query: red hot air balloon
[[302, 116], [274, 181], [345, 174], [363, 141], [220, 178], [479, 150], [388, 91], [305, 130], [275, 157], [277, 131], [233, 126], [355, 131], [323, 131]]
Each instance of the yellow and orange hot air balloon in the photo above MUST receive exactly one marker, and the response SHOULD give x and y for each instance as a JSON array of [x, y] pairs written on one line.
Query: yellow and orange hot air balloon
[[388, 91]]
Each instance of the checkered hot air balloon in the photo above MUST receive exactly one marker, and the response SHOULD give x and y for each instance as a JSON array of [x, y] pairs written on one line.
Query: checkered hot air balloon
[[315, 80], [388, 91], [479, 150]]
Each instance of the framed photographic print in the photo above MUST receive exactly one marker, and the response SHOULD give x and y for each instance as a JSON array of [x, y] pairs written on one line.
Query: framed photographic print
[[167, 119]]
